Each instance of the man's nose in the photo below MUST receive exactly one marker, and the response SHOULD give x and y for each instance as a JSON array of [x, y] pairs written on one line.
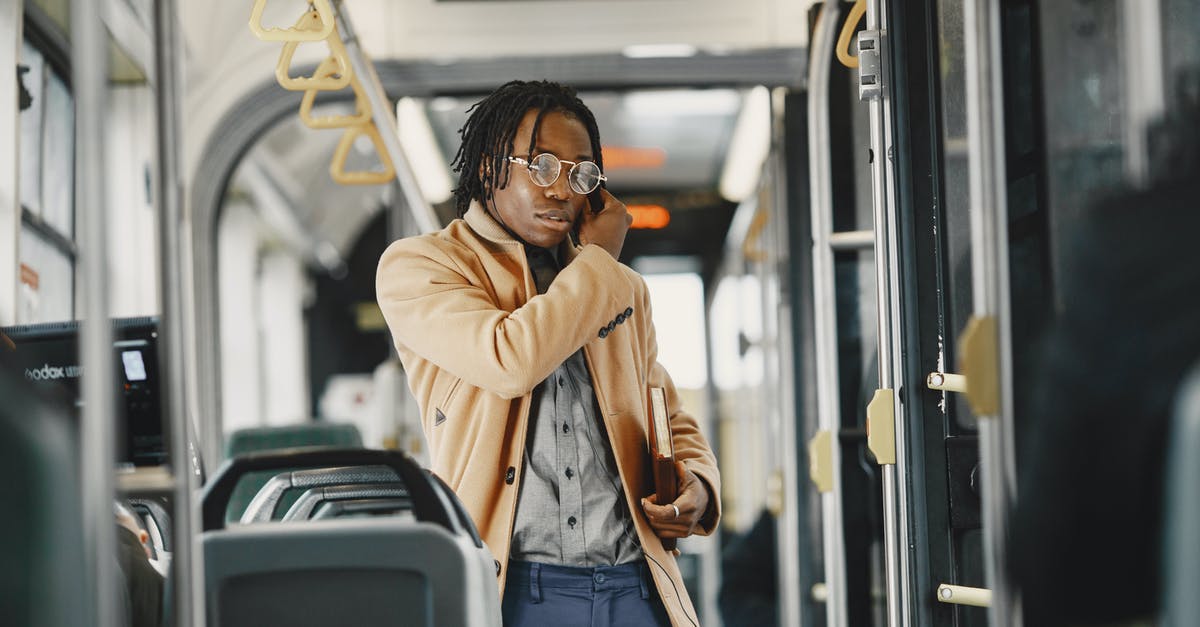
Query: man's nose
[[560, 189]]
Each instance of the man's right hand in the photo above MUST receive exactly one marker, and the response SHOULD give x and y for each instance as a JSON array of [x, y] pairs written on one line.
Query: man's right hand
[[606, 228]]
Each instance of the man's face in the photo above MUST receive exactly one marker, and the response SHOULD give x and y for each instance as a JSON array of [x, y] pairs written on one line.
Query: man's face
[[543, 216]]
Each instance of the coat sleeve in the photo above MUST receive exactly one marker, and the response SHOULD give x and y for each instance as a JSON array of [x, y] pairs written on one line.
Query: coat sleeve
[[691, 446], [434, 310]]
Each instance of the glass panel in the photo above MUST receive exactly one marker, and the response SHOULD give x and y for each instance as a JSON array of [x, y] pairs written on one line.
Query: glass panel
[[58, 157], [1181, 21], [1082, 82], [47, 290], [31, 129], [955, 171]]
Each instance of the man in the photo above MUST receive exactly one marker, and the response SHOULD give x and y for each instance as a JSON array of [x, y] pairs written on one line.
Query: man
[[531, 359], [143, 593]]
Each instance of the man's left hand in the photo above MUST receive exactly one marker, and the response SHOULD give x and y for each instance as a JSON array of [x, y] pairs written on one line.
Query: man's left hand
[[692, 503]]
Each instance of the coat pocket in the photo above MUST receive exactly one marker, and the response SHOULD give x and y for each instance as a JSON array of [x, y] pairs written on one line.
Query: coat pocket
[[442, 409]]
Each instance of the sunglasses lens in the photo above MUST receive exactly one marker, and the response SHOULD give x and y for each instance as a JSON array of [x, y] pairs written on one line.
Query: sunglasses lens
[[543, 169], [585, 176]]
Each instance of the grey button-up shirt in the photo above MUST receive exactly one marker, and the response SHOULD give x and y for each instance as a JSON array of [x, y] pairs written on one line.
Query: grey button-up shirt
[[571, 506]]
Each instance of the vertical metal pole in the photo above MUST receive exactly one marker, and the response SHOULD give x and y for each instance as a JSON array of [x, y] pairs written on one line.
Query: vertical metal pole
[[895, 492], [825, 306], [1145, 92], [385, 120], [89, 77], [187, 573], [11, 27], [788, 533], [989, 258]]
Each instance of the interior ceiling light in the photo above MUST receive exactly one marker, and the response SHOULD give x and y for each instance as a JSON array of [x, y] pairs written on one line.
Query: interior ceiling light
[[659, 51], [649, 216], [428, 163], [748, 146]]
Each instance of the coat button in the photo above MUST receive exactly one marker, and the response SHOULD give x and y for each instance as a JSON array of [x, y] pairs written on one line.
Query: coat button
[[611, 326], [497, 567], [603, 332], [628, 311], [510, 475], [620, 318]]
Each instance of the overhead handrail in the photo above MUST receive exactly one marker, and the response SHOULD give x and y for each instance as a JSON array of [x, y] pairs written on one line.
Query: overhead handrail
[[324, 81], [425, 219], [362, 105], [337, 168], [296, 33], [843, 43]]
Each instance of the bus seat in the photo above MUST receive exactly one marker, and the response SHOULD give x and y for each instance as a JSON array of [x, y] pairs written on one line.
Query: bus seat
[[1181, 518], [258, 439], [431, 569], [363, 507], [41, 533], [307, 504], [263, 506]]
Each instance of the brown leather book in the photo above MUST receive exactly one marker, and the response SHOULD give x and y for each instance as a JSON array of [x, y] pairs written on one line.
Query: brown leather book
[[662, 453]]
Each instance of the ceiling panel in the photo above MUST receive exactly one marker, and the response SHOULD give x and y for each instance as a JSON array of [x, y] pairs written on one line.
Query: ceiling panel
[[661, 140]]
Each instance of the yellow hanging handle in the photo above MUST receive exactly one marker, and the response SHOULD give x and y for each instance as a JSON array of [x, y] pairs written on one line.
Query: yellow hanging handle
[[843, 43], [310, 32], [361, 104], [321, 81], [337, 168]]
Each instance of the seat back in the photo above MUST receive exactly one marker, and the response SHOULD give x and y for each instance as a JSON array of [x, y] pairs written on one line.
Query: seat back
[[258, 439], [41, 532], [1181, 515], [363, 572], [312, 499], [363, 507], [266, 503]]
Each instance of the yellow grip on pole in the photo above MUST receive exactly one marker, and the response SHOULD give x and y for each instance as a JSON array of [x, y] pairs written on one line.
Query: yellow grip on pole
[[332, 79], [362, 105], [310, 32], [337, 168]]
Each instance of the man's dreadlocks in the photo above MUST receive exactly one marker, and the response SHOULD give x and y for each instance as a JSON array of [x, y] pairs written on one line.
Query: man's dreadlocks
[[487, 136]]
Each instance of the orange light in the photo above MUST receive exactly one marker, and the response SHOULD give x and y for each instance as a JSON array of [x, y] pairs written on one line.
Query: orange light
[[633, 158], [649, 216]]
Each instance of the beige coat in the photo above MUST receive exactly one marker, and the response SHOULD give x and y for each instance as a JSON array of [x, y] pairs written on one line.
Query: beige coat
[[475, 339]]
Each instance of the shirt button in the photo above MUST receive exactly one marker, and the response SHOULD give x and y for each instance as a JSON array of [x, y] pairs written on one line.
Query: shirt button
[[570, 473], [566, 428], [510, 475], [571, 522], [562, 381], [497, 567]]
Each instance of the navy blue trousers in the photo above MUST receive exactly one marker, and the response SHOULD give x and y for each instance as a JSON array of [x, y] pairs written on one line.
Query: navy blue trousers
[[566, 596]]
